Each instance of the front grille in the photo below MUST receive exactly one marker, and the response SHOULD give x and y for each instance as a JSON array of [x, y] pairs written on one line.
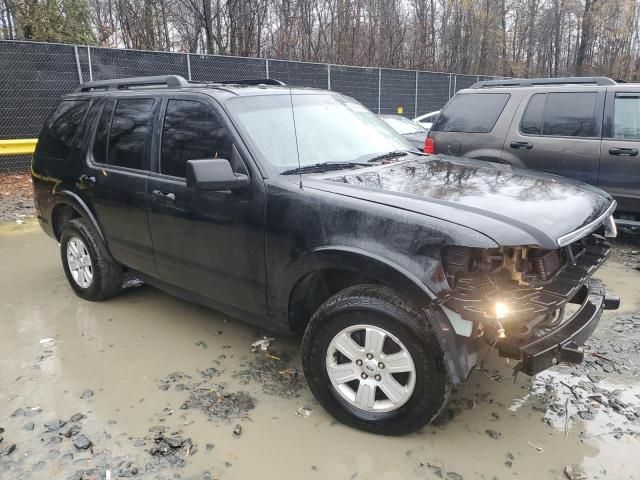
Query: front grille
[[547, 264]]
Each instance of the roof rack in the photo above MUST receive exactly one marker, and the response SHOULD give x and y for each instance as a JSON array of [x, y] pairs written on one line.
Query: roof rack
[[533, 82], [170, 81], [253, 81]]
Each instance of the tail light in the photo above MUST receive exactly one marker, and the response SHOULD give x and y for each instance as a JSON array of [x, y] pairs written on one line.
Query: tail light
[[429, 145]]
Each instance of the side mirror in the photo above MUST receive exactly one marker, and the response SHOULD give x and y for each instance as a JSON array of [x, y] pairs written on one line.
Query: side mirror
[[214, 175]]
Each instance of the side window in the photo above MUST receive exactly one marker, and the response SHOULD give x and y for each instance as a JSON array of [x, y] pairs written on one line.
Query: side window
[[191, 131], [61, 128], [571, 115], [128, 134], [531, 123], [102, 131], [626, 117], [471, 113]]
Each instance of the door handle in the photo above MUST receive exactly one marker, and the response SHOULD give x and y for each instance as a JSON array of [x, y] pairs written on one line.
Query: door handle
[[166, 195], [87, 180], [525, 145], [630, 152]]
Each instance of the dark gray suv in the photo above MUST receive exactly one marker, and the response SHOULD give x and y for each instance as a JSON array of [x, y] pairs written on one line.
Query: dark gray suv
[[587, 128]]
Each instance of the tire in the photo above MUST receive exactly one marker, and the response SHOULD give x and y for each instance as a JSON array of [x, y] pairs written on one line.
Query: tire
[[407, 328], [105, 273]]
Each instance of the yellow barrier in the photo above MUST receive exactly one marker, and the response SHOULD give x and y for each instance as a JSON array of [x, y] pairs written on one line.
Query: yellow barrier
[[23, 146]]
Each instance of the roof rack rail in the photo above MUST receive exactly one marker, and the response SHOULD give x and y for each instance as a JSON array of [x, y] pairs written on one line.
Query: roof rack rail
[[533, 82], [253, 81], [170, 81]]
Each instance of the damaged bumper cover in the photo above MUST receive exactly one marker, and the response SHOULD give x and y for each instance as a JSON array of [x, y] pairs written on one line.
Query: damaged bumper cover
[[563, 343], [556, 337]]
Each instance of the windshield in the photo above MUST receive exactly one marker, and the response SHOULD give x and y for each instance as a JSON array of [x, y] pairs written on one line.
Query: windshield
[[329, 128], [403, 125]]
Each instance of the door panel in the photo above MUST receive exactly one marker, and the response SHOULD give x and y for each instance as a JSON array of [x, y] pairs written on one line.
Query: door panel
[[619, 158], [550, 135], [210, 243], [116, 192]]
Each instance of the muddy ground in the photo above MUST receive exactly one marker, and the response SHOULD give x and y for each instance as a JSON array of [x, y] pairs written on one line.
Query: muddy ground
[[148, 386]]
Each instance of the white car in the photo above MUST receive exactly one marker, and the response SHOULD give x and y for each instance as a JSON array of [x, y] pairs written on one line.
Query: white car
[[427, 119]]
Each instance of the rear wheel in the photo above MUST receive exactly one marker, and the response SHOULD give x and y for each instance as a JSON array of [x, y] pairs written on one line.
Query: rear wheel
[[90, 269], [372, 361]]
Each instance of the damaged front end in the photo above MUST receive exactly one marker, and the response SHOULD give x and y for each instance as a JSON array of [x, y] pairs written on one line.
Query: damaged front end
[[533, 305]]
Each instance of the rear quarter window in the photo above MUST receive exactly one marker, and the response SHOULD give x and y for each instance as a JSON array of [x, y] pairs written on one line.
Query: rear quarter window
[[61, 128], [471, 113]]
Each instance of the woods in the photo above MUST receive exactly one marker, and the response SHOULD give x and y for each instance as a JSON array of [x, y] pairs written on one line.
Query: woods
[[493, 37]]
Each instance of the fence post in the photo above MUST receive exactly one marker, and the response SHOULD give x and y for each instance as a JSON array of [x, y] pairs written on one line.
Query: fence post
[[189, 67], [89, 61], [379, 87], [449, 85], [266, 66], [328, 76], [415, 98], [75, 51]]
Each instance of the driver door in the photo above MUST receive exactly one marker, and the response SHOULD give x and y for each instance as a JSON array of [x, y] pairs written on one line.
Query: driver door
[[206, 242]]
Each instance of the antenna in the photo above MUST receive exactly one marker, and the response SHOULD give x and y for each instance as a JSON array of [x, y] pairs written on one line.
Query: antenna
[[295, 134]]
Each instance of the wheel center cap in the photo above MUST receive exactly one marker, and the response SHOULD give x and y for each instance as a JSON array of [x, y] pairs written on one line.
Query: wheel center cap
[[370, 367]]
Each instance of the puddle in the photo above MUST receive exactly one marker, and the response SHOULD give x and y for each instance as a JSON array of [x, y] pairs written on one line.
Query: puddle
[[55, 346]]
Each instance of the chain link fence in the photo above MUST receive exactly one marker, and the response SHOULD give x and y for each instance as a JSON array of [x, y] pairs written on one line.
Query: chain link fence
[[33, 76]]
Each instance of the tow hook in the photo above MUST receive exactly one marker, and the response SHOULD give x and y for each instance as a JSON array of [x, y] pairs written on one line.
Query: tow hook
[[611, 302]]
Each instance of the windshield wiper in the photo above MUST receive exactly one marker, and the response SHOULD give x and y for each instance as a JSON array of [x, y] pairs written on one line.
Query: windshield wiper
[[323, 167], [388, 155]]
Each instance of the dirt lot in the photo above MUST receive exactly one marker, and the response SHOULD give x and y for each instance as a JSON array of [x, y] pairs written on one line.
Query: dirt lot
[[148, 386]]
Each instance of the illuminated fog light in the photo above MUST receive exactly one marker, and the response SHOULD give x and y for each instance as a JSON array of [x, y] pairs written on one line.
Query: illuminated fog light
[[501, 310]]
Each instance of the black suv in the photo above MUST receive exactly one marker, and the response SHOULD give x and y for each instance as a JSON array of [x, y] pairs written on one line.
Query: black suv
[[586, 128], [299, 211]]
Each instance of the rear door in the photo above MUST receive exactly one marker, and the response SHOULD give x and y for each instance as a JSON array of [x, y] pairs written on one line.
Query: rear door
[[206, 242], [116, 177], [558, 132], [619, 159]]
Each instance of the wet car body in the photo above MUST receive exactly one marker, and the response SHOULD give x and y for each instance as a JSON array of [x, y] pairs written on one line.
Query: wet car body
[[454, 236]]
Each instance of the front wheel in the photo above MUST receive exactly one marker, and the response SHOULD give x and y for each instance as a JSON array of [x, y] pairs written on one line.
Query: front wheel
[[373, 362]]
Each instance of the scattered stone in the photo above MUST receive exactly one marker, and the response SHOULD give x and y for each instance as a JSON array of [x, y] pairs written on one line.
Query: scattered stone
[[237, 430], [575, 472], [29, 426], [76, 418], [8, 450], [262, 344], [275, 375], [170, 450], [18, 413], [493, 434], [209, 446], [54, 425], [303, 411], [81, 442], [71, 431], [86, 394]]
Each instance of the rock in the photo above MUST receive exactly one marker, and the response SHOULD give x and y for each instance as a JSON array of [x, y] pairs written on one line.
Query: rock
[[164, 386], [54, 425], [8, 450], [174, 442], [237, 430], [76, 418], [209, 446], [81, 442], [29, 426], [71, 431], [493, 434], [18, 413], [575, 472], [86, 394]]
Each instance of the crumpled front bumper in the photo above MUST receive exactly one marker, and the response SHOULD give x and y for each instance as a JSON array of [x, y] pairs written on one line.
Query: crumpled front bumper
[[564, 343]]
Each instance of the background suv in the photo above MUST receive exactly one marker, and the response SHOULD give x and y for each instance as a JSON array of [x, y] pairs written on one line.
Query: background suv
[[587, 128]]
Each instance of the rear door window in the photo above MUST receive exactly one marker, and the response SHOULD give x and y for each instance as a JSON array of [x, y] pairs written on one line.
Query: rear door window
[[61, 128], [471, 113], [191, 131], [122, 133], [532, 119], [571, 115], [626, 117]]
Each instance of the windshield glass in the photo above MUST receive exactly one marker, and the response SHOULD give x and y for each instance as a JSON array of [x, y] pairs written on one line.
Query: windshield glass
[[329, 128], [403, 125]]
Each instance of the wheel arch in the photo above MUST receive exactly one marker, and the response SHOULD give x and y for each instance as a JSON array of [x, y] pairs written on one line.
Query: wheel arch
[[67, 205]]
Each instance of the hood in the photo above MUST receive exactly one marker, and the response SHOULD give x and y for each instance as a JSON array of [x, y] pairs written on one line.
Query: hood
[[511, 206]]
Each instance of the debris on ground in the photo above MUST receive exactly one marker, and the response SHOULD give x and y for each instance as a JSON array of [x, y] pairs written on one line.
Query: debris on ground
[[16, 197], [275, 375], [262, 344], [86, 394], [237, 430], [81, 442], [574, 472], [303, 411], [170, 449]]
